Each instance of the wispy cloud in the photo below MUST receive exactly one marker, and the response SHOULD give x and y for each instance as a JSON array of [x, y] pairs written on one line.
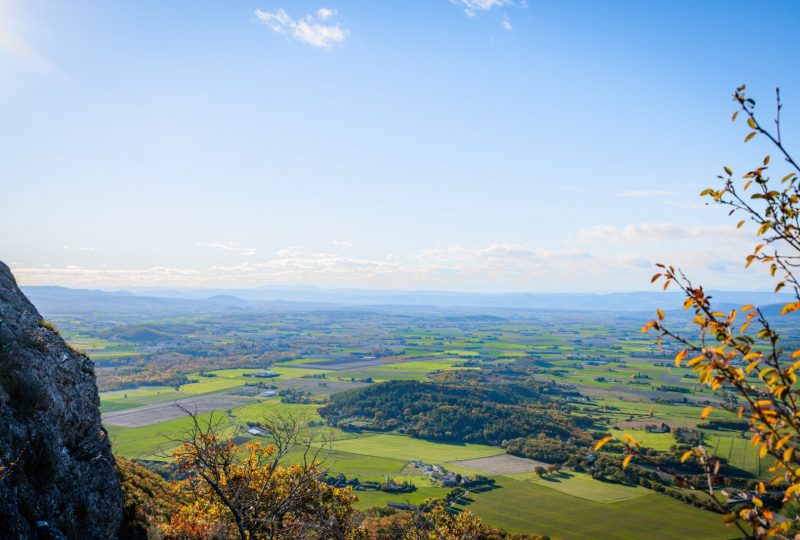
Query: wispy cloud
[[342, 243], [79, 248], [643, 232], [75, 275], [230, 246], [311, 29], [507, 23], [472, 7], [293, 264], [507, 265], [645, 194], [324, 13]]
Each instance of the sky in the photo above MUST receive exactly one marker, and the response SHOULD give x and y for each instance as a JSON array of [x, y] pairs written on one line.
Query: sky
[[477, 145]]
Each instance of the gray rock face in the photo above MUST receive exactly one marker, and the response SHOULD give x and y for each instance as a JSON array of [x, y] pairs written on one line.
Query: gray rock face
[[62, 483]]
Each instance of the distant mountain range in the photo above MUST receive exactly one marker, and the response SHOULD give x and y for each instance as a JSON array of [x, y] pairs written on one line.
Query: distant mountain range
[[51, 299]]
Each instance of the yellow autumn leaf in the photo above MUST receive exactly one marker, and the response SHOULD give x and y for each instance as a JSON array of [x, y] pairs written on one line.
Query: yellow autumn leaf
[[696, 360], [602, 442], [681, 355], [626, 461], [790, 308], [706, 412]]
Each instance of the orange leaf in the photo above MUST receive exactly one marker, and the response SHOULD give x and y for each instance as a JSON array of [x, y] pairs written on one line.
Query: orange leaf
[[706, 412], [602, 442], [681, 355]]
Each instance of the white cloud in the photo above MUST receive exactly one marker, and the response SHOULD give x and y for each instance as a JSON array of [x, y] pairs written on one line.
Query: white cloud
[[293, 264], [324, 13], [507, 23], [79, 248], [233, 246], [81, 276], [644, 194], [309, 30], [643, 232], [342, 243], [472, 7], [635, 260], [505, 266]]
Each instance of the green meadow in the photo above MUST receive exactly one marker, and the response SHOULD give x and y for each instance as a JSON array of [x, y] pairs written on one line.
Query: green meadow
[[525, 506], [410, 449]]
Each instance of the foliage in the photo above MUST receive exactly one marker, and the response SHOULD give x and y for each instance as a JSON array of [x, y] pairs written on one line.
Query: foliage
[[436, 524], [149, 500], [725, 355], [248, 492], [542, 448], [451, 412]]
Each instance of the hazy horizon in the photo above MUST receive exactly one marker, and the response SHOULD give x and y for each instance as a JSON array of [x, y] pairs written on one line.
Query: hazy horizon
[[309, 287]]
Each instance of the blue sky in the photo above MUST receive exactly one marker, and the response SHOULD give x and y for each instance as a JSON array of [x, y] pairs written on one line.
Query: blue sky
[[472, 145]]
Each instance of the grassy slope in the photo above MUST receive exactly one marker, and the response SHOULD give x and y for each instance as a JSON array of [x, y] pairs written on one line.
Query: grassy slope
[[524, 506], [408, 449], [585, 487]]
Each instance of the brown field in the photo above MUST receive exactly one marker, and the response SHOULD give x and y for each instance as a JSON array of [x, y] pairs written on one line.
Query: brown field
[[153, 414], [346, 364], [314, 387], [501, 464]]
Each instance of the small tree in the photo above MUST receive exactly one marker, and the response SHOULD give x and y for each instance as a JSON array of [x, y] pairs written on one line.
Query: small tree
[[248, 492], [752, 364]]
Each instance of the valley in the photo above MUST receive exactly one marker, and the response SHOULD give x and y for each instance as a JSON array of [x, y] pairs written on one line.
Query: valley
[[594, 369]]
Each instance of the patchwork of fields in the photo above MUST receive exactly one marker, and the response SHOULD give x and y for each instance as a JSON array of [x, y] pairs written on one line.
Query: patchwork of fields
[[524, 506], [568, 505], [624, 383], [154, 414]]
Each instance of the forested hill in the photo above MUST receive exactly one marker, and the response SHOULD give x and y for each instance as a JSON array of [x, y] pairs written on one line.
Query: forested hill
[[457, 411]]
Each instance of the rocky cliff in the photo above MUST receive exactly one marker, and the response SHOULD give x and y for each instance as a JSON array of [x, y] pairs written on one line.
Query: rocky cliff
[[57, 475]]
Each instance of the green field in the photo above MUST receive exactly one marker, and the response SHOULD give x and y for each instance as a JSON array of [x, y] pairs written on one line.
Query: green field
[[149, 442], [370, 499], [524, 506], [739, 453], [656, 441], [585, 487], [409, 449]]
